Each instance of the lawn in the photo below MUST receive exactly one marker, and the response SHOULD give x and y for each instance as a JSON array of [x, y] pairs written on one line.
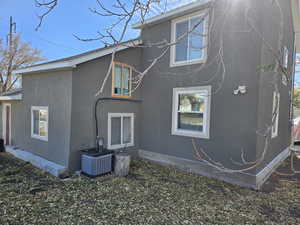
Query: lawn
[[151, 194]]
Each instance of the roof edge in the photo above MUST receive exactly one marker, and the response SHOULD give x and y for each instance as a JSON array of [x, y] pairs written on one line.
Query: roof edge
[[45, 67], [72, 62], [170, 14], [11, 97]]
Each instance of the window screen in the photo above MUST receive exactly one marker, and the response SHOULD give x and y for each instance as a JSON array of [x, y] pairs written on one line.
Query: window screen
[[120, 130], [191, 111], [122, 79], [189, 37], [39, 123]]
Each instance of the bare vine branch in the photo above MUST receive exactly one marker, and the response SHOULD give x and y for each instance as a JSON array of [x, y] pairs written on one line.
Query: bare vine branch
[[125, 13]]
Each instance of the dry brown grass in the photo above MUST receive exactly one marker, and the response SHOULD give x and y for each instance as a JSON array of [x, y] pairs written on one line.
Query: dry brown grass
[[151, 194]]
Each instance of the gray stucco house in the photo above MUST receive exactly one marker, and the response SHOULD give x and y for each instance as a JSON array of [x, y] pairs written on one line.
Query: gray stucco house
[[206, 87]]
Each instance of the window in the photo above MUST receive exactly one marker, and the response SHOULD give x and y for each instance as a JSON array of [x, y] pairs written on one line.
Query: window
[[191, 111], [285, 60], [121, 80], [275, 116], [120, 130], [189, 33], [39, 122]]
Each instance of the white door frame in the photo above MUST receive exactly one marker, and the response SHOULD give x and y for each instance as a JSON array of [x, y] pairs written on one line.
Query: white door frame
[[4, 122]]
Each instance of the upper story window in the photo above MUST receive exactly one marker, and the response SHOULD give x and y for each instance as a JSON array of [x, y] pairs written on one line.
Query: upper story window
[[39, 122], [191, 111], [121, 80], [189, 34]]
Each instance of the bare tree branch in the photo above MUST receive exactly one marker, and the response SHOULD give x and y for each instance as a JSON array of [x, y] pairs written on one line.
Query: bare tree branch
[[124, 13], [49, 5], [13, 58]]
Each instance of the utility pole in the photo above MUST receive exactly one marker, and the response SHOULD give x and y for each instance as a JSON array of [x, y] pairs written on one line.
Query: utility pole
[[12, 29]]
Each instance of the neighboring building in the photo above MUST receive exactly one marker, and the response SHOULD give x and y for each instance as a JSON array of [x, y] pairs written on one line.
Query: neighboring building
[[182, 97]]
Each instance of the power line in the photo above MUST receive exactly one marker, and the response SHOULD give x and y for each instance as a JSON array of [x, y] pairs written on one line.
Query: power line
[[55, 43]]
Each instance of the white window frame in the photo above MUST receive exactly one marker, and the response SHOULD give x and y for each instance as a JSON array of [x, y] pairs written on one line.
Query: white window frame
[[173, 63], [285, 60], [275, 132], [4, 122], [121, 115], [206, 90], [46, 108]]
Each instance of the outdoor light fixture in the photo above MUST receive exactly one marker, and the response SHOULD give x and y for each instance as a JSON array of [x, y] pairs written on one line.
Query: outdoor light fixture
[[240, 90]]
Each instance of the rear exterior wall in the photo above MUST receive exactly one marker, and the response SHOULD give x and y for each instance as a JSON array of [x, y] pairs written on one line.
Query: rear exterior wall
[[52, 89], [87, 79], [233, 118], [271, 31]]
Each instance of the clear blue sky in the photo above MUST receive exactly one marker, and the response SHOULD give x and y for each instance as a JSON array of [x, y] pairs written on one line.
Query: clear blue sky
[[55, 38]]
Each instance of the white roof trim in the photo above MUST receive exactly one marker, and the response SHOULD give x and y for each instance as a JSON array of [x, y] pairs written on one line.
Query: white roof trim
[[171, 13], [11, 97], [44, 67], [71, 63]]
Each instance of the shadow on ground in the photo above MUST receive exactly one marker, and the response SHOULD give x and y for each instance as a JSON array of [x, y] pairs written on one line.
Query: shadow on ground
[[283, 173]]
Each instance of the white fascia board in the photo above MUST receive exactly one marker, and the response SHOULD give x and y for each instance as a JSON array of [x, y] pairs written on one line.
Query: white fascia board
[[12, 97], [170, 14], [104, 52], [45, 67], [71, 63]]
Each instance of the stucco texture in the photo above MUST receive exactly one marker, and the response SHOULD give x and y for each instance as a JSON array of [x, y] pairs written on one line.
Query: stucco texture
[[87, 78], [52, 89], [234, 119], [270, 29]]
